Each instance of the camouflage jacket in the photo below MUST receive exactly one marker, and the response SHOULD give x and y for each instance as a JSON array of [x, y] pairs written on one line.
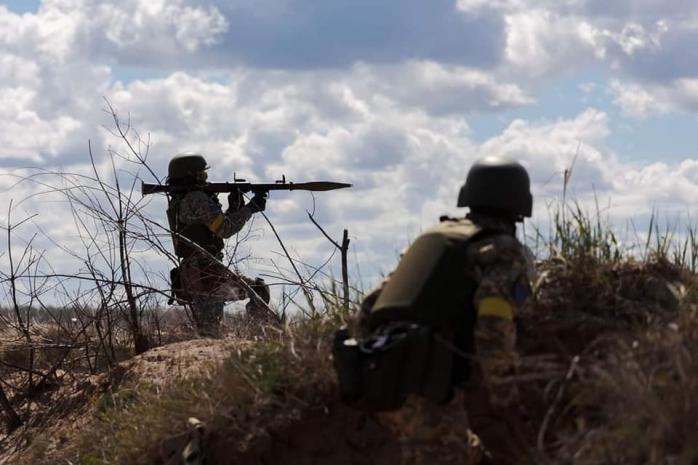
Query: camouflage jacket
[[502, 269], [197, 207]]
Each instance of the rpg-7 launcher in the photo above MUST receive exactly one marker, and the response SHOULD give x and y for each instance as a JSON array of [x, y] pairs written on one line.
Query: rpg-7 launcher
[[244, 186]]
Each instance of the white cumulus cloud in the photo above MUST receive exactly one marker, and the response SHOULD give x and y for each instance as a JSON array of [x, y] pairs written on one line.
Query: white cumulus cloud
[[327, 91]]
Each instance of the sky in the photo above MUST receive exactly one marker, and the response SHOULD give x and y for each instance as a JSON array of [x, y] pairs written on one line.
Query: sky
[[397, 97]]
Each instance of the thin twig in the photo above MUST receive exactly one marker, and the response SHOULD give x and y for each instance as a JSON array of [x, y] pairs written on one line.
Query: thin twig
[[540, 442], [308, 294]]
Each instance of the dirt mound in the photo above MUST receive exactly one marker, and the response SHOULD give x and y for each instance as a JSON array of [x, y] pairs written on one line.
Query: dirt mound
[[52, 414], [325, 435], [180, 360], [270, 398], [62, 409], [575, 304]]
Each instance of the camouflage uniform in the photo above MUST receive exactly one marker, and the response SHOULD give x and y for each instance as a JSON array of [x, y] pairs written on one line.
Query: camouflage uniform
[[205, 280], [502, 268]]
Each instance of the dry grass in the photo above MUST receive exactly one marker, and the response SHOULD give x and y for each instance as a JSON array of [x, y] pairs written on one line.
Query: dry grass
[[635, 403], [628, 312], [624, 320], [256, 387]]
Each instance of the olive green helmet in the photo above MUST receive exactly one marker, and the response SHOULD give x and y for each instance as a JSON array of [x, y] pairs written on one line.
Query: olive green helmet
[[499, 184], [187, 164]]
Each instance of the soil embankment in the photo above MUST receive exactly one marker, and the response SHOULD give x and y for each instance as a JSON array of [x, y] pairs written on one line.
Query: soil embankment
[[270, 398]]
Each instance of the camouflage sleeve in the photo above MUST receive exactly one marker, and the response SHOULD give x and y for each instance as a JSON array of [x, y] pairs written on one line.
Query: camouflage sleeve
[[234, 221], [197, 207], [502, 270]]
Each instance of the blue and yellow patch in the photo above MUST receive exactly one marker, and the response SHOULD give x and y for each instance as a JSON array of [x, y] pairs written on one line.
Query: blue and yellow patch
[[216, 224]]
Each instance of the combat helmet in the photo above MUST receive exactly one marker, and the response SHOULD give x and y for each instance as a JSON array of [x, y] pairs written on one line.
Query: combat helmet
[[498, 184], [184, 165]]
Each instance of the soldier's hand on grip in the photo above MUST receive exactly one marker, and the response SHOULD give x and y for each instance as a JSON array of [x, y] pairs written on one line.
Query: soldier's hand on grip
[[235, 200], [258, 203]]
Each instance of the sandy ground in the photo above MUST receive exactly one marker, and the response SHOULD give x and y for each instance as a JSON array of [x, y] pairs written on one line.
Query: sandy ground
[[69, 406], [328, 433]]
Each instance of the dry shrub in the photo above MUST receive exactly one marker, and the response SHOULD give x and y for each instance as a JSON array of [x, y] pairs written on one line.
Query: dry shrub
[[14, 358], [629, 397], [574, 305], [636, 402], [262, 384]]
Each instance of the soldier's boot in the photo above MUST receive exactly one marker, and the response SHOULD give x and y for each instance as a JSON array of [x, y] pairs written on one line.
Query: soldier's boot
[[208, 321], [255, 310]]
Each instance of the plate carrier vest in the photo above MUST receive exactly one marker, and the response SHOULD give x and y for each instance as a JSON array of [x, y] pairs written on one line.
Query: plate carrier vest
[[197, 233]]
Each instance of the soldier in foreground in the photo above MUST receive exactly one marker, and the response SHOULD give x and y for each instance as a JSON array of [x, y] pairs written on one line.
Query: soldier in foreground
[[442, 324], [199, 225]]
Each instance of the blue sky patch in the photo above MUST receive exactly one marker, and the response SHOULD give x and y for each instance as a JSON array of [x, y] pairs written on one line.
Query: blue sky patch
[[22, 6]]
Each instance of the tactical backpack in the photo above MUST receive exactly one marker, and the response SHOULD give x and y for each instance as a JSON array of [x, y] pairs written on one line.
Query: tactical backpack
[[422, 318]]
